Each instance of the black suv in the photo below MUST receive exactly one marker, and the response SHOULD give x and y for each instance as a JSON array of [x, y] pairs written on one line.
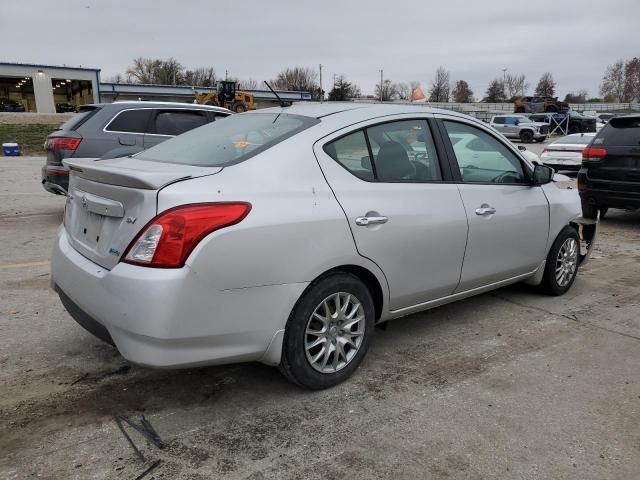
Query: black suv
[[577, 123], [110, 130], [610, 173]]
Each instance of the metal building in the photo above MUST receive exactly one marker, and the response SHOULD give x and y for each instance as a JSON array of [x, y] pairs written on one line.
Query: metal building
[[48, 88]]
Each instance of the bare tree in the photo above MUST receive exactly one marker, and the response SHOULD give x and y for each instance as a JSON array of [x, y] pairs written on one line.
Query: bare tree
[[632, 80], [155, 70], [117, 78], [495, 92], [404, 91], [546, 86], [389, 91], [515, 85], [249, 84], [440, 89], [200, 77], [580, 97], [297, 78], [462, 93], [414, 85], [613, 81]]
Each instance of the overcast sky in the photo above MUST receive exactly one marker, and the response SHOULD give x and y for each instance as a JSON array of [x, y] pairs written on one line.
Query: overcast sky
[[474, 40]]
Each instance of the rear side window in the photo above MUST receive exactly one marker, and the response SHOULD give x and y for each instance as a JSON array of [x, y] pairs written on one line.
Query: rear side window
[[228, 142], [498, 120], [390, 152], [175, 122], [130, 121], [620, 132], [84, 114]]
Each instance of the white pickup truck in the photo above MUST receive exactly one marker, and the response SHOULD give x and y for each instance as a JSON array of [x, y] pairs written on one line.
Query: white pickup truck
[[520, 127]]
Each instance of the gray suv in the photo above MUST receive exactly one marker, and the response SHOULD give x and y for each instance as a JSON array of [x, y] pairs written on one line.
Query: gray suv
[[111, 130], [520, 127]]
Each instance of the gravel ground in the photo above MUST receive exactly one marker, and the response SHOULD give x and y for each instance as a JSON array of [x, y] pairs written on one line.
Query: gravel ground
[[510, 384]]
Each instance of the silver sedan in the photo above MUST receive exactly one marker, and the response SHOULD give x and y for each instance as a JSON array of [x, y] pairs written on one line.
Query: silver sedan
[[285, 235]]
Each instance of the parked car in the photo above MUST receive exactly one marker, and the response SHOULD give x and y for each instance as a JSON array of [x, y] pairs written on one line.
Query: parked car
[[7, 105], [610, 173], [539, 105], [65, 108], [576, 123], [109, 130], [284, 235], [566, 152], [520, 127]]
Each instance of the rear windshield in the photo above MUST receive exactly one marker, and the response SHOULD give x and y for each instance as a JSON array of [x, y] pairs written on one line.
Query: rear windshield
[[620, 132], [84, 113], [228, 141], [575, 140]]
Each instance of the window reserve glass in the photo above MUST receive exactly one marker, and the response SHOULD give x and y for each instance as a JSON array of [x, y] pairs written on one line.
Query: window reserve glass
[[176, 122], [230, 140], [573, 140], [620, 132], [402, 152], [481, 157], [130, 121], [84, 113]]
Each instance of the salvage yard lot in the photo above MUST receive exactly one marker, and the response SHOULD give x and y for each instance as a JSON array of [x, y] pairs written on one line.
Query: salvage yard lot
[[509, 384]]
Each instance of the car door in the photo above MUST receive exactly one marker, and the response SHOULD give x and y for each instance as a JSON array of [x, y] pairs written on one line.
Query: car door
[[511, 128], [508, 217], [125, 129], [404, 211], [499, 124], [169, 122]]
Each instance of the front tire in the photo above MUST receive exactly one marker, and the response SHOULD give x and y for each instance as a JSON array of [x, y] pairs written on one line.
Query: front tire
[[328, 332], [526, 136], [561, 266]]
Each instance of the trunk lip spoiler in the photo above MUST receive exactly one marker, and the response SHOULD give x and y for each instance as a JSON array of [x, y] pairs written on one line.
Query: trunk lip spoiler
[[123, 172]]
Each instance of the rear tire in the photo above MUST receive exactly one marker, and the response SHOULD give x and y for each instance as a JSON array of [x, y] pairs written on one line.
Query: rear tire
[[561, 267], [526, 136], [573, 129], [329, 309], [603, 212]]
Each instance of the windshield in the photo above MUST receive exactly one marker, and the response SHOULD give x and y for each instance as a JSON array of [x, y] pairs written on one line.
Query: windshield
[[229, 141]]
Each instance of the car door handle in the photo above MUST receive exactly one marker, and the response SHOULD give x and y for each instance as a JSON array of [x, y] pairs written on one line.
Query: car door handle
[[364, 221], [485, 210]]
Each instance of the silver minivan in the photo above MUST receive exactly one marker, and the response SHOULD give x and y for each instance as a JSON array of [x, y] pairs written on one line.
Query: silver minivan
[[285, 235]]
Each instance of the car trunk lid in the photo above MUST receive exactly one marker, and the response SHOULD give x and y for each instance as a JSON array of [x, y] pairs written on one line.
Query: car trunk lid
[[111, 200]]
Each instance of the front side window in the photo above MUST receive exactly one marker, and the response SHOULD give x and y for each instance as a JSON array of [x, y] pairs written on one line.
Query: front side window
[[401, 151], [481, 157], [130, 121], [176, 122], [237, 138]]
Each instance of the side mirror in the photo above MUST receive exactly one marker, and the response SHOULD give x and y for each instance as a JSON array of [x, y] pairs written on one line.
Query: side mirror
[[542, 174], [522, 148]]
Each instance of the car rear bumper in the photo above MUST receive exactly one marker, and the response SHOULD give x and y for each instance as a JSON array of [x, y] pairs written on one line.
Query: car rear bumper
[[609, 193], [55, 175], [169, 318]]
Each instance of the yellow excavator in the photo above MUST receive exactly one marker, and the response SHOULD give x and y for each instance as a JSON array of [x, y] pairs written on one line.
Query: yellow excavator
[[228, 96]]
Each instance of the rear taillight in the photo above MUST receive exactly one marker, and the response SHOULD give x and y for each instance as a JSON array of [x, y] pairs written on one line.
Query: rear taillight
[[63, 143], [57, 170], [591, 154], [168, 240]]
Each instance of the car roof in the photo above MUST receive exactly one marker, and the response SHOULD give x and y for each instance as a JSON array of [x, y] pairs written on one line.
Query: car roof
[[139, 103], [365, 110]]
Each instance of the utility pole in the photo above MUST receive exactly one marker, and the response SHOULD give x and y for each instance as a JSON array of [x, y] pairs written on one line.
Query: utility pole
[[321, 93], [381, 85], [226, 74], [504, 83]]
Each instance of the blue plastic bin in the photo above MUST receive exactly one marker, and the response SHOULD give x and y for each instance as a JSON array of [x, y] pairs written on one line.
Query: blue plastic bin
[[11, 149]]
